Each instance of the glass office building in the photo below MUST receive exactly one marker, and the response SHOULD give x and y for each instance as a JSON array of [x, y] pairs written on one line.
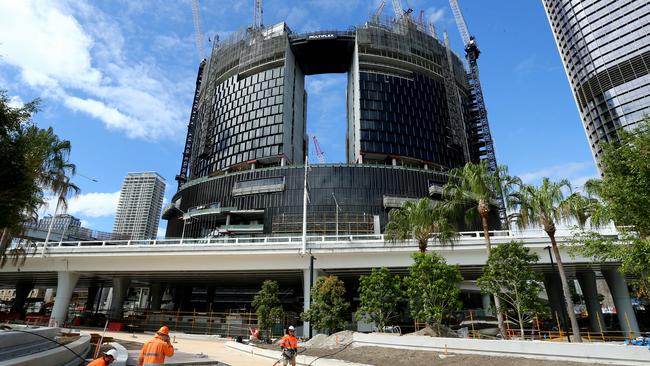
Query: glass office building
[[605, 48], [407, 109]]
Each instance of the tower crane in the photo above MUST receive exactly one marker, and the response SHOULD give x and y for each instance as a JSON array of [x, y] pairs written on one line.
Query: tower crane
[[399, 10], [319, 152], [479, 127], [257, 16], [377, 13], [198, 34], [189, 139]]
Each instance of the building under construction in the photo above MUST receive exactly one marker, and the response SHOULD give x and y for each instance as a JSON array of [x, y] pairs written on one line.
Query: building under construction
[[409, 120]]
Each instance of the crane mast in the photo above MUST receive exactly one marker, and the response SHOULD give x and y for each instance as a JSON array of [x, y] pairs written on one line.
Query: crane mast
[[198, 34], [377, 14], [319, 152], [479, 127], [257, 16]]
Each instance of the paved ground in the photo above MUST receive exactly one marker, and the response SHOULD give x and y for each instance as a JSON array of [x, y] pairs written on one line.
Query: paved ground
[[189, 351]]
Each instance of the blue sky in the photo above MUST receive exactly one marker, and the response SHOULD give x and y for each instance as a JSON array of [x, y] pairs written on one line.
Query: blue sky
[[116, 78]]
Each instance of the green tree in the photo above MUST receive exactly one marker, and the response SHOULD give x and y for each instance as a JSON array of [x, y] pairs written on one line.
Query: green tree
[[380, 295], [509, 275], [328, 306], [32, 160], [473, 191], [623, 194], [421, 220], [433, 288], [543, 206], [626, 177], [268, 306]]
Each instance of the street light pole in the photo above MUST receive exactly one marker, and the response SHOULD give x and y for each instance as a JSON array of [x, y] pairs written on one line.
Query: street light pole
[[337, 214], [305, 197]]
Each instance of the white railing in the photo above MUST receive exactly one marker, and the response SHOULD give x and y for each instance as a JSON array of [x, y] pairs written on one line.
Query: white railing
[[320, 241]]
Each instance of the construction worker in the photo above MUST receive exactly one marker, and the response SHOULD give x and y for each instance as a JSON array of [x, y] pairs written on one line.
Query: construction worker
[[106, 359], [289, 345], [155, 351]]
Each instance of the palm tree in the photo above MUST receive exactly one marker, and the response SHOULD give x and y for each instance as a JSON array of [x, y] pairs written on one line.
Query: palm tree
[[544, 206], [420, 220], [473, 191]]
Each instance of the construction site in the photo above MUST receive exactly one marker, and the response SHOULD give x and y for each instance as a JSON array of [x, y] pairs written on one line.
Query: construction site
[[249, 207]]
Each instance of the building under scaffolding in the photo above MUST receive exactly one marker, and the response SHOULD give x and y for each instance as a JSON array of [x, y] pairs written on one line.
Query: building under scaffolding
[[408, 110]]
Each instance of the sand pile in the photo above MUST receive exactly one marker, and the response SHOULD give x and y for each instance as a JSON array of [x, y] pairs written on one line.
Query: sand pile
[[336, 340], [433, 332]]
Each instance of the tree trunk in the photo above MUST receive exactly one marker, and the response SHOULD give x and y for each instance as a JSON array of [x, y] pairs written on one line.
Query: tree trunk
[[565, 288], [422, 245], [483, 212]]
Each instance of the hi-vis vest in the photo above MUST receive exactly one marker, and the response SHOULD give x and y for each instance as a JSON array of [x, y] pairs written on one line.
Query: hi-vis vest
[[154, 352]]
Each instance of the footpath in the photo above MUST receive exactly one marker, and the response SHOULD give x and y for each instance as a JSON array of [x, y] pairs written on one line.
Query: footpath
[[187, 349]]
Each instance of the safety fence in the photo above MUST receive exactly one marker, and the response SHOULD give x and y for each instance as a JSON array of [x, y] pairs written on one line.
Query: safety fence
[[226, 324], [475, 327]]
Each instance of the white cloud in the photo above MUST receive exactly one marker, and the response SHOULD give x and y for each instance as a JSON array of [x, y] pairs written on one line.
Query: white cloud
[[576, 172], [434, 15], [94, 204], [15, 102], [73, 52], [316, 86]]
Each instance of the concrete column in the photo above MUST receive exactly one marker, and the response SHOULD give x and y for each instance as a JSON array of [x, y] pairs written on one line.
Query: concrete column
[[22, 292], [621, 295], [90, 301], [66, 282], [587, 280], [156, 294], [553, 287], [306, 278], [120, 290], [394, 162], [487, 304]]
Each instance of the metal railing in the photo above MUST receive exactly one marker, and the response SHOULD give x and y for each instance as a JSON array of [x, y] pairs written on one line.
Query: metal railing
[[467, 238]]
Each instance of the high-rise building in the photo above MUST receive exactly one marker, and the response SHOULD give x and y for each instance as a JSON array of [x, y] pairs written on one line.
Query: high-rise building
[[408, 111], [605, 48], [61, 222], [138, 210]]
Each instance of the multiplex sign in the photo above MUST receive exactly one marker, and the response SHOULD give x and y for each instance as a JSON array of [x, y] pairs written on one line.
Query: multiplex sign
[[322, 36]]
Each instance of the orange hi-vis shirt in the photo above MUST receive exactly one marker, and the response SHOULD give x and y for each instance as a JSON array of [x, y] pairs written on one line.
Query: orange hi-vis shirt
[[289, 341], [154, 352], [98, 362]]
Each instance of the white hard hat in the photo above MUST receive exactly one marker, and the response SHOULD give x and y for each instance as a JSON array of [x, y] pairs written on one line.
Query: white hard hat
[[291, 327], [112, 353]]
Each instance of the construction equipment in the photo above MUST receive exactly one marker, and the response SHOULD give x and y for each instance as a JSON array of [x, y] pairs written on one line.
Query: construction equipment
[[481, 126], [189, 140], [198, 34], [377, 13], [320, 155], [257, 16], [400, 13], [420, 21], [483, 148], [432, 30]]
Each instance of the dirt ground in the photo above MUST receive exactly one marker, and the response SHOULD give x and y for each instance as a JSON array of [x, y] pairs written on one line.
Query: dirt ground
[[380, 356]]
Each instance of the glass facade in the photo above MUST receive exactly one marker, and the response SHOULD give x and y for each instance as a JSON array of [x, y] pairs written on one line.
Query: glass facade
[[605, 48], [247, 119], [406, 117], [407, 123]]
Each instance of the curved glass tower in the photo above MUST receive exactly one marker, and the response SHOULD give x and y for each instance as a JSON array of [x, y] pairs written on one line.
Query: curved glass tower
[[407, 110], [605, 48]]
